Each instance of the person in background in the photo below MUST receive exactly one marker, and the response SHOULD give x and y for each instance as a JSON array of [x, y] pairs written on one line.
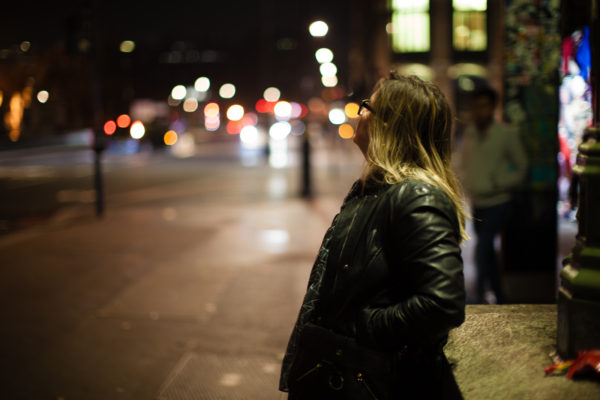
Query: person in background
[[494, 164], [387, 284]]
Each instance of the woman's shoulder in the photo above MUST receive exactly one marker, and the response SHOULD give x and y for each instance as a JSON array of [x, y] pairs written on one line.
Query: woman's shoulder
[[413, 189], [412, 194]]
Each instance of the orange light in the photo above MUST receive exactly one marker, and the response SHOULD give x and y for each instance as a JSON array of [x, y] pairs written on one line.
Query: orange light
[[110, 127], [351, 110], [211, 110], [170, 138], [123, 121], [346, 131]]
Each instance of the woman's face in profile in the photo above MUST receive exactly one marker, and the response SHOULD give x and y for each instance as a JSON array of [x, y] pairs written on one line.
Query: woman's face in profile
[[361, 137]]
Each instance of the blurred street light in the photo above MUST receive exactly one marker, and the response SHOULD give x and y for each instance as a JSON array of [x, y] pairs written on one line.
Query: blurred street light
[[227, 91], [137, 130], [190, 105], [211, 110], [329, 81], [202, 84], [324, 55], [346, 131], [328, 69], [170, 138], [235, 112], [280, 130], [318, 29], [123, 121], [271, 94], [249, 135], [337, 116], [283, 110], [351, 110], [25, 46], [179, 92], [127, 46], [110, 127], [42, 96]]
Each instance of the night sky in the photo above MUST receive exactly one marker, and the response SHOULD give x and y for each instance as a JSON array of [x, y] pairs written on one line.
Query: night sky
[[253, 44]]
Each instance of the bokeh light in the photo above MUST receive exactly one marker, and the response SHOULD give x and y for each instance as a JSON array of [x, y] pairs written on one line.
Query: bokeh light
[[337, 116], [235, 112], [202, 84], [25, 46], [280, 130], [351, 110], [249, 134], [298, 127], [318, 29], [212, 120], [123, 121], [234, 127], [328, 69], [263, 106], [137, 130], [212, 123], [271, 94], [283, 110], [211, 110], [110, 127], [42, 96], [127, 46], [227, 91], [296, 110], [179, 92], [324, 55], [190, 105], [170, 138], [329, 81], [346, 131]]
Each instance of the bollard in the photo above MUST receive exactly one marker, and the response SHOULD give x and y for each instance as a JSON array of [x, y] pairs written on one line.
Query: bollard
[[98, 181], [579, 292]]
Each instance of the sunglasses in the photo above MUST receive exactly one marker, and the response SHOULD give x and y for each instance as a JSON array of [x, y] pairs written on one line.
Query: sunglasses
[[365, 104]]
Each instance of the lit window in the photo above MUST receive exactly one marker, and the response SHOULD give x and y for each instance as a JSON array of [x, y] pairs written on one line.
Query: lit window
[[410, 26], [469, 28]]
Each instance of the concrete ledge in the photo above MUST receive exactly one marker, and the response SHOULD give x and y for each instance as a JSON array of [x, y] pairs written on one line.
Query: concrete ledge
[[500, 352]]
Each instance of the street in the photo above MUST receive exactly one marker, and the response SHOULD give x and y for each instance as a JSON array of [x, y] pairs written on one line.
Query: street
[[187, 288]]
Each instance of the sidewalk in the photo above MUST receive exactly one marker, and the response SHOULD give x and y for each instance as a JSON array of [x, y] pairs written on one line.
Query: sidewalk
[[182, 291]]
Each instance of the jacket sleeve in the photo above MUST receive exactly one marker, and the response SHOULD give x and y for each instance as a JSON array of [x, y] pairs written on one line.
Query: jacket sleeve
[[424, 257]]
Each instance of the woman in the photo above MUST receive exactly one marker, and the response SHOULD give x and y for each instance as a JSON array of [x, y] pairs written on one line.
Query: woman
[[387, 284]]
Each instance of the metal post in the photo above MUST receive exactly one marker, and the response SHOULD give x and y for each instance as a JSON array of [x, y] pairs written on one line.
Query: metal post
[[99, 141], [579, 291], [306, 178]]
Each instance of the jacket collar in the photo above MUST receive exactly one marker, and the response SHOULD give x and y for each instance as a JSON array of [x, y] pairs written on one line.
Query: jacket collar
[[369, 188]]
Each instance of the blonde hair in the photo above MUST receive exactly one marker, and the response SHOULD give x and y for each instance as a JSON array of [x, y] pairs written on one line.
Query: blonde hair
[[410, 137]]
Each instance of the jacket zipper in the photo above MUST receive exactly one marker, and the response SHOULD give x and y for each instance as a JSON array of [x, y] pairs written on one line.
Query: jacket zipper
[[361, 378], [310, 371]]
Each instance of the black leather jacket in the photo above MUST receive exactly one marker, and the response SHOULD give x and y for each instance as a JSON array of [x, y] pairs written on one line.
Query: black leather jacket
[[389, 271]]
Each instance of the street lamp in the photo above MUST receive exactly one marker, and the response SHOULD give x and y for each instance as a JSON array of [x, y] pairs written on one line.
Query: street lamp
[[318, 29], [324, 55]]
